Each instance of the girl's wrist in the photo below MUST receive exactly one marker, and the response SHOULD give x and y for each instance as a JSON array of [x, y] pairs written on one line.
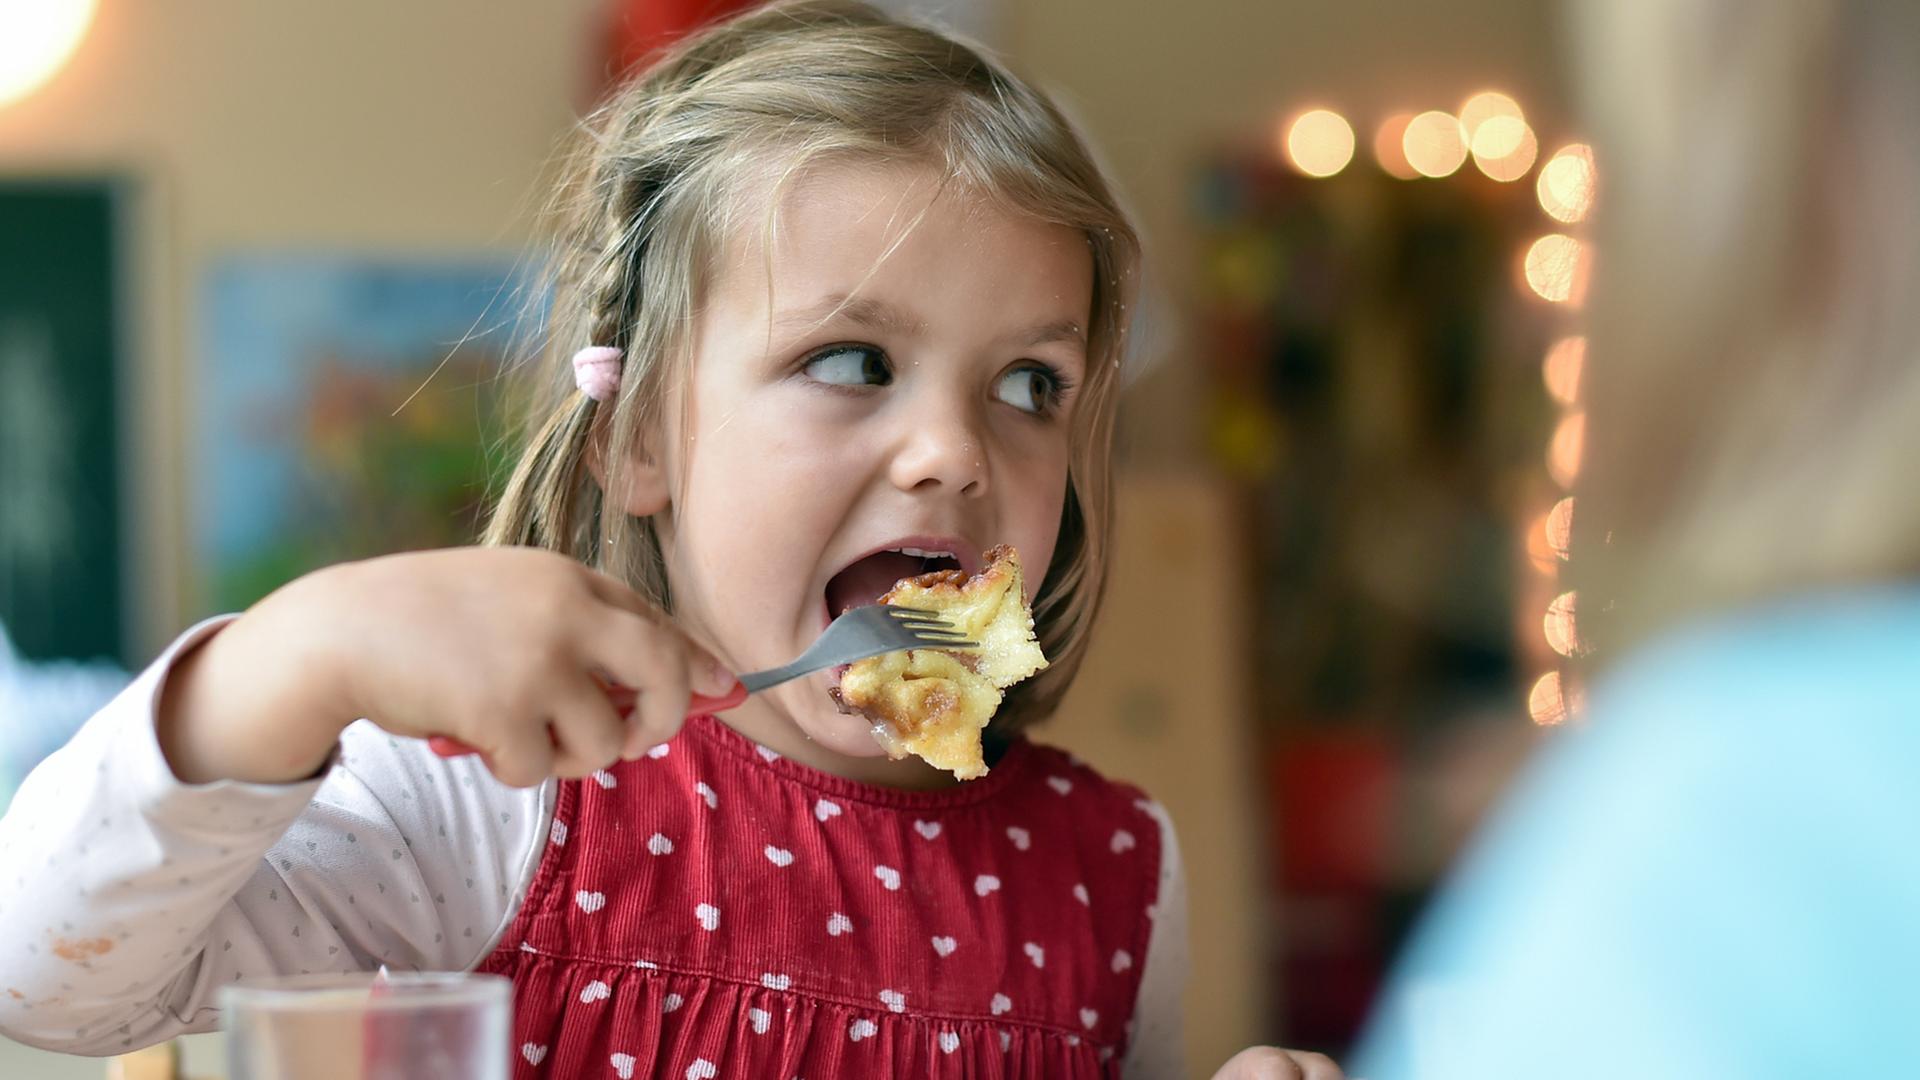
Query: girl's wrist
[[250, 704]]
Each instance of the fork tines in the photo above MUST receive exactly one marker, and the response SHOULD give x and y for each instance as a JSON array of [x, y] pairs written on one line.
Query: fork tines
[[931, 627]]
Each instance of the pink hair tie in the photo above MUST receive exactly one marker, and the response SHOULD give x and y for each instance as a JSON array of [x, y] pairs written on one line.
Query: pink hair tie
[[596, 371]]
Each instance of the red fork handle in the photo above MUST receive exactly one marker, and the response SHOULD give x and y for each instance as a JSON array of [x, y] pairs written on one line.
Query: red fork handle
[[623, 698]]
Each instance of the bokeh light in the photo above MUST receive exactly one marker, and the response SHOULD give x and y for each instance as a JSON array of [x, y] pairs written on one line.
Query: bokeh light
[[1558, 527], [1561, 370], [1556, 268], [1504, 148], [1434, 143], [1562, 635], [1566, 183], [1552, 702], [1484, 106], [1319, 142], [1564, 452], [1389, 146], [1539, 552], [36, 40]]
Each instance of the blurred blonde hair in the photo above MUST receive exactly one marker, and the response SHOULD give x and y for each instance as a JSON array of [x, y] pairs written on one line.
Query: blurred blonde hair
[[1752, 393], [669, 168]]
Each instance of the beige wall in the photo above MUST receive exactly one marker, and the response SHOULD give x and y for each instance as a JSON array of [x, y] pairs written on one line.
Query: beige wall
[[358, 125]]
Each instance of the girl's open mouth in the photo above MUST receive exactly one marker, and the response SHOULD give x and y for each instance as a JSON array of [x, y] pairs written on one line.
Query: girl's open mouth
[[871, 577]]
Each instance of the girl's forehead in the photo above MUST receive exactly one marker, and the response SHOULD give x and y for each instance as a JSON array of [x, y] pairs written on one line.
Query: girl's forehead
[[850, 227]]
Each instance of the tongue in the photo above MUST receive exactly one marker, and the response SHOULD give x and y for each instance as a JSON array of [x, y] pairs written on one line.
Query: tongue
[[869, 579]]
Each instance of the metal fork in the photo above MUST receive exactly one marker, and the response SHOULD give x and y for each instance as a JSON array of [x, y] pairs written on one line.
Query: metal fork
[[862, 632], [873, 630]]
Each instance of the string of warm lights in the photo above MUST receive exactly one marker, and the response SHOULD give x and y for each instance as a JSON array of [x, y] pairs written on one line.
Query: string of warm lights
[[1491, 129]]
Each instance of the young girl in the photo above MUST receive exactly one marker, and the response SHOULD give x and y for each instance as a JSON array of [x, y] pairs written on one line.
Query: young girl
[[835, 291]]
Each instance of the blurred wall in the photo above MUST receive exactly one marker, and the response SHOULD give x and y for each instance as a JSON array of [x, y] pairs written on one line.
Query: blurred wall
[[353, 125], [1158, 83]]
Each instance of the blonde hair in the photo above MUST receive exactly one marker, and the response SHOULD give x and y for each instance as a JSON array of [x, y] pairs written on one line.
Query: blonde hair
[[657, 185], [1753, 390]]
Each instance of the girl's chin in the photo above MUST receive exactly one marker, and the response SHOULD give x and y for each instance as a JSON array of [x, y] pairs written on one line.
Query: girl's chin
[[842, 733]]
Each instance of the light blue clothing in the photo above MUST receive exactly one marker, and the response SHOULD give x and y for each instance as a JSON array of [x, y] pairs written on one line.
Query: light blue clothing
[[1718, 876]]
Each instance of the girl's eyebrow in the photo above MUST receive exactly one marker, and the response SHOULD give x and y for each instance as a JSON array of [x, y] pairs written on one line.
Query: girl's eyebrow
[[862, 310], [884, 317]]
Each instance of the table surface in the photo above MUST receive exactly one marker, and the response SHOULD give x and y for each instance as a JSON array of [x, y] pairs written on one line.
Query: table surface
[[203, 1058]]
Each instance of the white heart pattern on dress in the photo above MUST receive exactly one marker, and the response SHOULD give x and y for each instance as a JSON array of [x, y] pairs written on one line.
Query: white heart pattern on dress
[[894, 1000], [769, 755], [595, 991], [1060, 784], [623, 1064], [659, 844], [839, 924], [1035, 953], [671, 1002], [888, 876], [606, 779], [863, 1029], [558, 834], [1122, 960], [1089, 1018], [949, 1042], [945, 946], [1122, 841], [1080, 894], [708, 915], [534, 1054], [1001, 1003], [927, 829], [985, 884], [701, 1069], [824, 810], [779, 856], [1006, 1040], [705, 792], [761, 1019], [590, 902], [776, 982], [658, 752], [648, 964], [1021, 838]]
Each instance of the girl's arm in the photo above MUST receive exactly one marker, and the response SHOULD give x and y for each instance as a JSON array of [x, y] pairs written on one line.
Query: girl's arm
[[1158, 1048], [129, 898]]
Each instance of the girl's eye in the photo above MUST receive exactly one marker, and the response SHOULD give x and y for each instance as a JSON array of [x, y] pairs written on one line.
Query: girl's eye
[[1031, 389], [850, 365]]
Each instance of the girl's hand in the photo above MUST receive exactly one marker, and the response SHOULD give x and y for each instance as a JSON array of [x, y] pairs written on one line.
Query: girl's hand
[[1272, 1063], [509, 650]]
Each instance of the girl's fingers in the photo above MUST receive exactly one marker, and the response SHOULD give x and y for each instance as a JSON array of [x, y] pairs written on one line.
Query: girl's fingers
[[649, 662], [1317, 1066], [587, 728], [520, 754], [1273, 1063], [704, 674]]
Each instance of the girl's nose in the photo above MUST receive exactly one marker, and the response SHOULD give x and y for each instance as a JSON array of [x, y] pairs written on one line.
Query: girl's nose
[[940, 450]]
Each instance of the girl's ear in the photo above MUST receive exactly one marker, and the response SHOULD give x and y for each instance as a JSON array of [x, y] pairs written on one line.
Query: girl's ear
[[639, 485]]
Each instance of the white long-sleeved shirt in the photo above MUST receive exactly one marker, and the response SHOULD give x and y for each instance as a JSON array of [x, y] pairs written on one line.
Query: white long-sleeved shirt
[[128, 898]]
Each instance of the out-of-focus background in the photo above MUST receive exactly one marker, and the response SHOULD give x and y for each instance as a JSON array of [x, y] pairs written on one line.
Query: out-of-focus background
[[237, 238]]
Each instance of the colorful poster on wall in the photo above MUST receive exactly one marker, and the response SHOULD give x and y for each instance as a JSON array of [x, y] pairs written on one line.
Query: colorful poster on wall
[[346, 408]]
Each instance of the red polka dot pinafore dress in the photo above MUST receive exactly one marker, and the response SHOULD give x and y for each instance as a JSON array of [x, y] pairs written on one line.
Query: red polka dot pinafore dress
[[715, 910]]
